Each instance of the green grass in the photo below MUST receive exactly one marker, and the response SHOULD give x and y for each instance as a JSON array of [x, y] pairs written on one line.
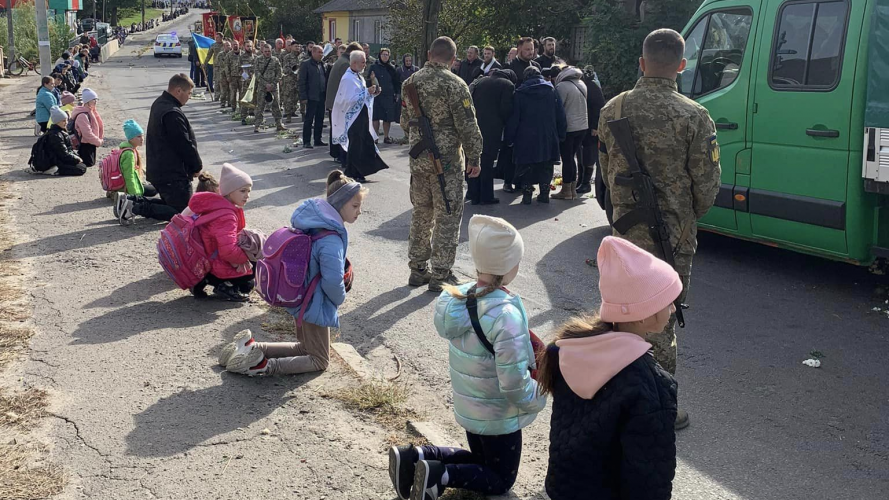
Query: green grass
[[135, 16]]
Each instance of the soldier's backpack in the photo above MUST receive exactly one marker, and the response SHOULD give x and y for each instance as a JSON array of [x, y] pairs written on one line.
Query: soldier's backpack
[[281, 272], [180, 250], [109, 171], [72, 129], [40, 158]]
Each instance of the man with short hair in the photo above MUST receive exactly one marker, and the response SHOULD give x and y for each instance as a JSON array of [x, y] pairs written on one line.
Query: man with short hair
[[290, 83], [510, 56], [469, 65], [222, 79], [525, 47], [489, 64], [171, 151], [548, 58], [208, 68], [683, 167], [268, 73], [370, 59], [312, 91], [279, 49], [236, 83], [435, 231], [337, 43]]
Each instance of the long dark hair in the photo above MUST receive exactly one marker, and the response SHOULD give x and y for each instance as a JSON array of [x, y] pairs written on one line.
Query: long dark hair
[[575, 328]]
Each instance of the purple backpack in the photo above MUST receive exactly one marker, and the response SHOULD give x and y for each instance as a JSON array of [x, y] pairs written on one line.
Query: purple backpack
[[281, 272]]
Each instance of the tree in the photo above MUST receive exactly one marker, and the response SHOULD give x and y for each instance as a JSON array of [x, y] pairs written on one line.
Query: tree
[[297, 20], [24, 25]]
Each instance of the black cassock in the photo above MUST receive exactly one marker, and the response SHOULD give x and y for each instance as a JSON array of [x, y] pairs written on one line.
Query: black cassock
[[362, 158]]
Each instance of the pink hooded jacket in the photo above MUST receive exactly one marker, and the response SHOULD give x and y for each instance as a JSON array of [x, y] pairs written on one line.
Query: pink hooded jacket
[[220, 236], [91, 129], [589, 363]]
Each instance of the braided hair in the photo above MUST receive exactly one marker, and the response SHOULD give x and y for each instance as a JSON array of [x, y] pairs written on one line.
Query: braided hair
[[491, 287]]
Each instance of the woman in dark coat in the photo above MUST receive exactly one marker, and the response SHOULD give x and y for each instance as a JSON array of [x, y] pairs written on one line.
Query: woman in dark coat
[[384, 104], [493, 98], [595, 102], [535, 129], [406, 69]]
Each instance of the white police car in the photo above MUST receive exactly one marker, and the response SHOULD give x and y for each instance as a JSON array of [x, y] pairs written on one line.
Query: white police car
[[167, 44]]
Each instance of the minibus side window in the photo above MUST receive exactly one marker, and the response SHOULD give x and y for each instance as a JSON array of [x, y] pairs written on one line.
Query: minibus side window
[[714, 50], [808, 46]]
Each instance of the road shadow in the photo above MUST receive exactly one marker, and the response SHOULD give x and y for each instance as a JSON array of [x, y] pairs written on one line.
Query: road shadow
[[86, 238], [79, 206], [288, 187], [135, 291], [182, 421], [364, 326]]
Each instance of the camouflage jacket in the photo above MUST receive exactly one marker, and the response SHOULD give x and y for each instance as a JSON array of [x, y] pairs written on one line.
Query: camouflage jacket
[[268, 70], [676, 142], [214, 49], [246, 58], [220, 64], [290, 63], [445, 100], [232, 65]]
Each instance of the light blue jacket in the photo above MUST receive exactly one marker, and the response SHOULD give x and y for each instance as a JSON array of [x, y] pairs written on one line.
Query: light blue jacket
[[328, 258], [45, 101], [493, 395]]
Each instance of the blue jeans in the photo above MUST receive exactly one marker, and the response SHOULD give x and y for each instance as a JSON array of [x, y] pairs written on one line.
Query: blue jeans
[[490, 467]]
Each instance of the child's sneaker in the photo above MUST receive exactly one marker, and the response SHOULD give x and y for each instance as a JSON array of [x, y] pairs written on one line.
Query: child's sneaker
[[251, 364], [126, 216], [198, 290], [119, 201], [228, 291], [241, 345], [402, 460], [427, 480]]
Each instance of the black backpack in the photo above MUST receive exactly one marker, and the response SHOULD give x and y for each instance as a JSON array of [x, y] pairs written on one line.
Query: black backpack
[[40, 157]]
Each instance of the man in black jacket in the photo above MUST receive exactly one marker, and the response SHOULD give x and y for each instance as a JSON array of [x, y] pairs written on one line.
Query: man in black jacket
[[489, 63], [172, 154], [523, 59], [548, 58], [313, 93], [595, 101], [493, 96], [469, 66]]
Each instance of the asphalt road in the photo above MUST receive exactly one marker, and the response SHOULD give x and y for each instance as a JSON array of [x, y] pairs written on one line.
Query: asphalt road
[[764, 426]]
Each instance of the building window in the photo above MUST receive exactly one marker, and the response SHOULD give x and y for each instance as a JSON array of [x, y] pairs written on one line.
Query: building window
[[356, 29], [808, 46], [378, 31], [331, 29]]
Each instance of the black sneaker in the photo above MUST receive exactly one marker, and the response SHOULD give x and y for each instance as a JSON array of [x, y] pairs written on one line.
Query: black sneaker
[[228, 291], [436, 284], [402, 462], [507, 188], [427, 480], [584, 188]]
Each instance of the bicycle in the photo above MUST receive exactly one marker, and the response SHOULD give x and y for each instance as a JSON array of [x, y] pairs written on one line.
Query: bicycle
[[21, 65]]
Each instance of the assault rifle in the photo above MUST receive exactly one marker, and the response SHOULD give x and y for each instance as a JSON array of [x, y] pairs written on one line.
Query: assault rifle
[[427, 140], [647, 210]]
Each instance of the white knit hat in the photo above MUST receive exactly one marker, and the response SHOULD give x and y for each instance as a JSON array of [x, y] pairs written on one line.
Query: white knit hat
[[89, 95], [496, 246]]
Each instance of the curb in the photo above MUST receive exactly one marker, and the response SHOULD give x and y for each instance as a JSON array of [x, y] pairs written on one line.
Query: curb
[[353, 360]]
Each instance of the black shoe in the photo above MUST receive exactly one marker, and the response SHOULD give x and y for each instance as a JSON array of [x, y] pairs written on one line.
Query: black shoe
[[228, 291], [493, 201], [248, 287], [543, 197], [402, 460], [526, 196], [475, 202], [198, 290], [507, 188], [360, 180], [427, 480], [320, 143], [308, 146], [584, 188]]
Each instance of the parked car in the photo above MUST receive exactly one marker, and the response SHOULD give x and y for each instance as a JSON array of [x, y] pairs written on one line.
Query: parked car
[[167, 44]]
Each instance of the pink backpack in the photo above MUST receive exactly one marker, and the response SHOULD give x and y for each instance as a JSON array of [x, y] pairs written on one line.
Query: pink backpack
[[180, 249], [281, 272], [109, 171]]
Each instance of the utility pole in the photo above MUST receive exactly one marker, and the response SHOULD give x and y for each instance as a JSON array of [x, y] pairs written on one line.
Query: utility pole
[[94, 11], [11, 55], [143, 12], [431, 8], [43, 38]]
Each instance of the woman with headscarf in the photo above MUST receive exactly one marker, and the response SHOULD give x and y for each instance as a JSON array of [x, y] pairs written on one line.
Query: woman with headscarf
[[350, 121], [390, 84]]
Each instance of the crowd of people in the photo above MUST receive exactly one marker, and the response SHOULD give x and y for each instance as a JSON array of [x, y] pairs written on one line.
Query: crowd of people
[[615, 409]]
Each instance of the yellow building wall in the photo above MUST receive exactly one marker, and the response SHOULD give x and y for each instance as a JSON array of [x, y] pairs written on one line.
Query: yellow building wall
[[341, 20]]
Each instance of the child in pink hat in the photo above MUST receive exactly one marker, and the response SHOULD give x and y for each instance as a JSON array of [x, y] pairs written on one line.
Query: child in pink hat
[[614, 408]]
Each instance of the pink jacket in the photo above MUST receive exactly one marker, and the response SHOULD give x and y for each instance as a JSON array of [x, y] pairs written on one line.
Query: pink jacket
[[220, 236], [91, 129]]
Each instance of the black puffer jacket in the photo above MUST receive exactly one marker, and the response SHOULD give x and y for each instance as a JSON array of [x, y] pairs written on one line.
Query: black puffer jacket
[[171, 149], [618, 445], [58, 145]]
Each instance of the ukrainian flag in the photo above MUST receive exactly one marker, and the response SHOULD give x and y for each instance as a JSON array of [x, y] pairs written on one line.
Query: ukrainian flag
[[203, 45]]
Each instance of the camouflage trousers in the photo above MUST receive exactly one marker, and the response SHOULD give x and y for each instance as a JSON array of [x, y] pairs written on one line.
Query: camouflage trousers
[[435, 233], [664, 343], [236, 89], [289, 95], [222, 90], [261, 104]]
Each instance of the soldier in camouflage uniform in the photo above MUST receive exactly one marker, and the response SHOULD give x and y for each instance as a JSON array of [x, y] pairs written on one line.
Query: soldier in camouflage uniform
[[236, 84], [268, 73], [221, 75], [214, 49], [248, 57], [290, 83], [445, 100], [676, 141]]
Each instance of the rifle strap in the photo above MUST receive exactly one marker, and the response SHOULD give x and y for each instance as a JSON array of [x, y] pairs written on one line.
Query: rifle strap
[[619, 105]]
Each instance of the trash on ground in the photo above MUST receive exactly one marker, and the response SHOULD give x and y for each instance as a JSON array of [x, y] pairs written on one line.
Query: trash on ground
[[814, 363], [592, 263]]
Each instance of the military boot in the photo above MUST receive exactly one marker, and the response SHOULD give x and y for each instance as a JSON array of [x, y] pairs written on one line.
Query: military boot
[[543, 197], [279, 127], [419, 277], [437, 284]]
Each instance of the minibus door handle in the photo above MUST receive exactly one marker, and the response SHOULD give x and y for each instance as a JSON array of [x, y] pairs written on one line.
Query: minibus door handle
[[726, 126], [822, 133]]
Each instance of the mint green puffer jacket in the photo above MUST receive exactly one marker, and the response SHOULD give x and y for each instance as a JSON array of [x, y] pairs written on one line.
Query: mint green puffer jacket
[[493, 395]]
